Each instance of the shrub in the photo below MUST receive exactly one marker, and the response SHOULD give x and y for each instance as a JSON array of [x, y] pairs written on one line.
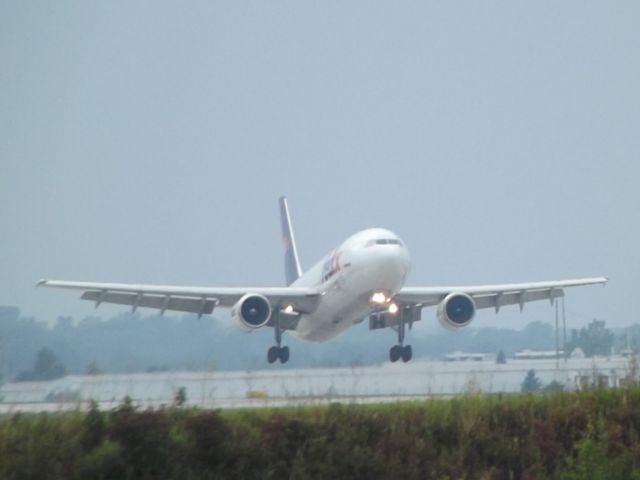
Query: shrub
[[594, 434], [531, 383]]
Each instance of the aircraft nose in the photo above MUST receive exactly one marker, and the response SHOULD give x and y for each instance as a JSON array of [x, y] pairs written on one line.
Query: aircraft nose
[[392, 264]]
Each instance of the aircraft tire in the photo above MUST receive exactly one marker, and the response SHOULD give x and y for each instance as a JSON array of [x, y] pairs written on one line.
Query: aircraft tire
[[394, 353], [284, 354], [407, 353], [272, 354]]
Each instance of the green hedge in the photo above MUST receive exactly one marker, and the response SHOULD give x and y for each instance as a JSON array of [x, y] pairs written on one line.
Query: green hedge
[[566, 436]]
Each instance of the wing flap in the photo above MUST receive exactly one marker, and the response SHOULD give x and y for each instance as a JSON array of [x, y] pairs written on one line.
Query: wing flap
[[485, 295], [198, 300], [178, 304], [516, 298]]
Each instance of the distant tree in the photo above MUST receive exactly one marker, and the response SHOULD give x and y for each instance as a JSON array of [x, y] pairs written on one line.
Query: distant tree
[[156, 369], [531, 383], [501, 358], [594, 339], [64, 323], [633, 372], [630, 339], [180, 397], [46, 367], [25, 376], [553, 387], [538, 336], [127, 404], [92, 369]]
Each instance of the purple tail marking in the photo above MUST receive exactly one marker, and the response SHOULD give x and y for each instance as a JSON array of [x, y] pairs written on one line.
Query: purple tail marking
[[292, 268]]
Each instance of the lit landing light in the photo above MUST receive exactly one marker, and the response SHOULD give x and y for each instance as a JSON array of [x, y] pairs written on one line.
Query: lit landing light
[[393, 308], [288, 309], [379, 297]]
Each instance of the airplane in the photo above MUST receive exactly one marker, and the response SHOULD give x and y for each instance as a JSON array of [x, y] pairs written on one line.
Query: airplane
[[363, 278]]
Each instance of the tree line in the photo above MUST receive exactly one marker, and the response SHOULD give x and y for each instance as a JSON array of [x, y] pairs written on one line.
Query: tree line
[[126, 343]]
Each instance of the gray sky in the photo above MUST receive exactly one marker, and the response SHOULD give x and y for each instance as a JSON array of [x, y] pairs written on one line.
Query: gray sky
[[149, 141]]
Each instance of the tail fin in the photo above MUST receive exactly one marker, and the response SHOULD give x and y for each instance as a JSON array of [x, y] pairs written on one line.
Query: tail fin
[[292, 268]]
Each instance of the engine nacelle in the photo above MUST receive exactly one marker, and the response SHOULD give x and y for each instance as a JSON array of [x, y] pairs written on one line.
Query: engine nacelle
[[456, 311], [252, 311]]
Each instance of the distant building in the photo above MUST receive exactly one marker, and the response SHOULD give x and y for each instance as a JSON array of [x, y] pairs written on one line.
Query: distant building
[[577, 353], [538, 355], [468, 357]]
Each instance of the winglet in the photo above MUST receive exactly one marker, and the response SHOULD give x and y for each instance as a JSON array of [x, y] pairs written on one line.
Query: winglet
[[41, 282], [292, 268]]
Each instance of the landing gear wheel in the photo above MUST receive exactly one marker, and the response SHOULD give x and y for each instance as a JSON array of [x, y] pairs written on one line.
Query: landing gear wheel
[[284, 354], [272, 354], [394, 353], [407, 353]]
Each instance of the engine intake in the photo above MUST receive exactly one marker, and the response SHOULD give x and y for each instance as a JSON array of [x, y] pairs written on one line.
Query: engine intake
[[456, 311], [251, 312]]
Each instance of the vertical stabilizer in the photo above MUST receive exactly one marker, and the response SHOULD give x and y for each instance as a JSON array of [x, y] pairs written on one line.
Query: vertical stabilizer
[[292, 268]]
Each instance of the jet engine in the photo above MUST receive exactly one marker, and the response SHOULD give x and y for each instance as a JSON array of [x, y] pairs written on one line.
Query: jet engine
[[456, 311], [252, 311]]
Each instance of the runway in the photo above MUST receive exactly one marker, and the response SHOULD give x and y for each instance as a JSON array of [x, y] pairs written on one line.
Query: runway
[[276, 388]]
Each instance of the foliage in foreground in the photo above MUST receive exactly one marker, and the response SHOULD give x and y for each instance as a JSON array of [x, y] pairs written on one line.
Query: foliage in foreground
[[564, 436]]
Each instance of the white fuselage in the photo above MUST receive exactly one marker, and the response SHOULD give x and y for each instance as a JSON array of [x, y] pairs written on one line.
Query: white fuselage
[[371, 261]]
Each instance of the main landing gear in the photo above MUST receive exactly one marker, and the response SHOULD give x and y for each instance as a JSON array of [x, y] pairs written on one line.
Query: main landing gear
[[400, 351], [277, 352]]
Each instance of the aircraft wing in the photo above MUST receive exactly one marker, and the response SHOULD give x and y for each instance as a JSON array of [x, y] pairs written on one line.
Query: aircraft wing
[[495, 296], [198, 300]]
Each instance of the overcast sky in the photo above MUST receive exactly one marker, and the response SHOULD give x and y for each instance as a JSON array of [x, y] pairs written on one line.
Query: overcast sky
[[149, 141]]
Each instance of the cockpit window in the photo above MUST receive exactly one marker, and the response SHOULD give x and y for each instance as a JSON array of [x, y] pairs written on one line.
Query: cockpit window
[[383, 241]]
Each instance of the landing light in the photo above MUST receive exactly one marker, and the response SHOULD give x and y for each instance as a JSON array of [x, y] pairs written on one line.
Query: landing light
[[379, 297], [288, 309], [393, 308]]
